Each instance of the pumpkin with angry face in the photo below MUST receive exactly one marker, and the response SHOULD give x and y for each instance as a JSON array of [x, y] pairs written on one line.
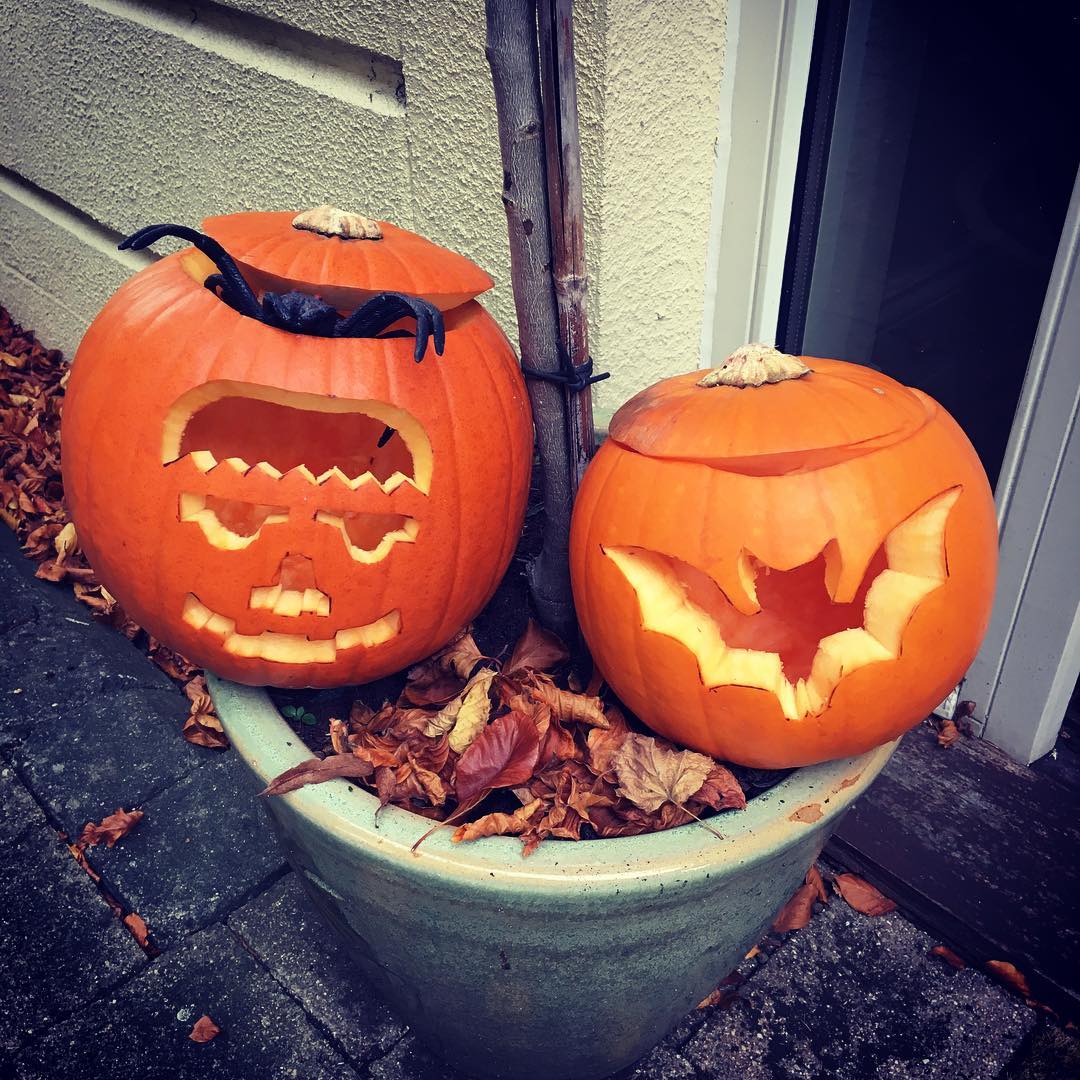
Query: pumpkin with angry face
[[782, 563], [269, 483]]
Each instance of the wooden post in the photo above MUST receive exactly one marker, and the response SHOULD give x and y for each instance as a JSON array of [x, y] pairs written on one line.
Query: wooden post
[[558, 84], [512, 55]]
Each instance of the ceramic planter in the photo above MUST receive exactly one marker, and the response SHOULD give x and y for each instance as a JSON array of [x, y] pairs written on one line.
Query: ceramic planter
[[571, 963]]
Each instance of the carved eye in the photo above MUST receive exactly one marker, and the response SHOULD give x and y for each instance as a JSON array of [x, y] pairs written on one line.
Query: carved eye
[[369, 537], [230, 524]]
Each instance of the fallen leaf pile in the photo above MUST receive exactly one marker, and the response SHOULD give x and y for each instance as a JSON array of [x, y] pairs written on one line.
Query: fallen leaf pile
[[32, 381], [561, 762]]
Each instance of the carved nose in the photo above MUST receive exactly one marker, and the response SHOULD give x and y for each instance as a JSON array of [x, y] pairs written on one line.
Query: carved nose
[[293, 592]]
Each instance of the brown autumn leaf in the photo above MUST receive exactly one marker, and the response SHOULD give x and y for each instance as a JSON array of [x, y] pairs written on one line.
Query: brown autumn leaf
[[862, 896], [204, 1030], [317, 771], [135, 923], [204, 729], [948, 733], [65, 542], [1010, 975], [813, 877], [650, 775], [498, 824], [503, 755], [427, 683], [464, 716], [461, 655], [536, 650], [950, 958], [722, 997], [721, 790], [109, 829], [564, 704], [797, 912]]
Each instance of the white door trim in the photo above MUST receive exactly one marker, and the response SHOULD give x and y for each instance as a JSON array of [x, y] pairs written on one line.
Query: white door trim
[[1025, 672], [762, 100]]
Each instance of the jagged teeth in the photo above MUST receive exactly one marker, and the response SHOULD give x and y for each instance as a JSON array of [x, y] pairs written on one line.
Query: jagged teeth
[[288, 648], [204, 461], [291, 602]]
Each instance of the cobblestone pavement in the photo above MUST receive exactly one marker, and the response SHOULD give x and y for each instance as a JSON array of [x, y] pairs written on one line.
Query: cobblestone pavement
[[87, 725]]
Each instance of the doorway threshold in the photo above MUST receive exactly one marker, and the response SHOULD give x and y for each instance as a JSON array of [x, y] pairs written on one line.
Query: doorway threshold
[[981, 852]]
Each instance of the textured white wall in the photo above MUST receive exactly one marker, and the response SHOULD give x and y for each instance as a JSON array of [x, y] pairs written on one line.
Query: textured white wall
[[117, 113]]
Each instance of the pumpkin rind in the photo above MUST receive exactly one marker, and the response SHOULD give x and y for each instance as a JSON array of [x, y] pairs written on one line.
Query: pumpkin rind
[[803, 495], [162, 336]]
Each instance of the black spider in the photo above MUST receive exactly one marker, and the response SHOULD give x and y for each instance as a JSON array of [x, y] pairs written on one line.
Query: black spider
[[298, 312]]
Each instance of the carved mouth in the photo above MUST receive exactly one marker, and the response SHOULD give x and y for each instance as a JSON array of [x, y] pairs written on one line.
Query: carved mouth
[[783, 637], [289, 648], [280, 432]]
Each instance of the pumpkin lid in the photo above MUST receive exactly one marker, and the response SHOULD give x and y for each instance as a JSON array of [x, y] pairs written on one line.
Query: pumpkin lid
[[766, 413], [345, 257]]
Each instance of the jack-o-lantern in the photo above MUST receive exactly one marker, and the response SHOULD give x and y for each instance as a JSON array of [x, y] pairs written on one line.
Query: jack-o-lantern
[[275, 485], [782, 563]]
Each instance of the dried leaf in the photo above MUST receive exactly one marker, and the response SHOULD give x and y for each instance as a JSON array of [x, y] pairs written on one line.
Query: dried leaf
[[862, 896], [565, 705], [650, 775], [948, 956], [460, 656], [948, 733], [339, 734], [316, 771], [474, 712], [66, 542], [722, 997], [204, 729], [134, 922], [797, 912], [537, 650], [721, 790], [204, 1030], [109, 829], [503, 755], [498, 824], [813, 877], [1010, 975]]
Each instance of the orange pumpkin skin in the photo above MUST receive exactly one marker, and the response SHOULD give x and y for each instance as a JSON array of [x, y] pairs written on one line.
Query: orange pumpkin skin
[[164, 336], [782, 487]]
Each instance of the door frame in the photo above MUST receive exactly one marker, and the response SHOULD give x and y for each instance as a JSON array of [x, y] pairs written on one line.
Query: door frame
[[1029, 662]]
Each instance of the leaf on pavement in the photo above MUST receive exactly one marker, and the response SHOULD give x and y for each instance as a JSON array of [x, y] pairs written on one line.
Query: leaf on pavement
[[204, 1030], [797, 912], [950, 958], [134, 922], [109, 829], [1010, 975], [813, 877], [948, 733], [862, 896], [650, 775]]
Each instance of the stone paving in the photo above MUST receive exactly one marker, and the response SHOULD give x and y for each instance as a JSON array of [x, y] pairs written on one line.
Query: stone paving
[[87, 725]]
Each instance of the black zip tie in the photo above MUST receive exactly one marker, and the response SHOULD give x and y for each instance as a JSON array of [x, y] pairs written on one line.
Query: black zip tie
[[575, 377]]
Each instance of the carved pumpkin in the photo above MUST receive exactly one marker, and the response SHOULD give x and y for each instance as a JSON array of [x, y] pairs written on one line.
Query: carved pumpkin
[[781, 564], [283, 504]]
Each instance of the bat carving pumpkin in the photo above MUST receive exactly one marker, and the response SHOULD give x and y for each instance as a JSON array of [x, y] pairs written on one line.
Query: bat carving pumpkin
[[303, 462], [782, 563]]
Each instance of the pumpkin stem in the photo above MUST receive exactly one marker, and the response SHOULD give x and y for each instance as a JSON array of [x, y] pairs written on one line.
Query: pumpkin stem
[[235, 291], [753, 365], [328, 220]]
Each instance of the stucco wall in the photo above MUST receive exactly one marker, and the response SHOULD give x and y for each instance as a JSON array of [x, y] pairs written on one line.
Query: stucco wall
[[116, 113]]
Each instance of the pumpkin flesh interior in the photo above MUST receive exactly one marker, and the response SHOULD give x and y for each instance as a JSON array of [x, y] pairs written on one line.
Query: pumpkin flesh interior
[[799, 644], [280, 431]]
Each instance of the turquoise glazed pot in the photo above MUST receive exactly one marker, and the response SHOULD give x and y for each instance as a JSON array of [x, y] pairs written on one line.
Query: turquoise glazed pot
[[569, 964]]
